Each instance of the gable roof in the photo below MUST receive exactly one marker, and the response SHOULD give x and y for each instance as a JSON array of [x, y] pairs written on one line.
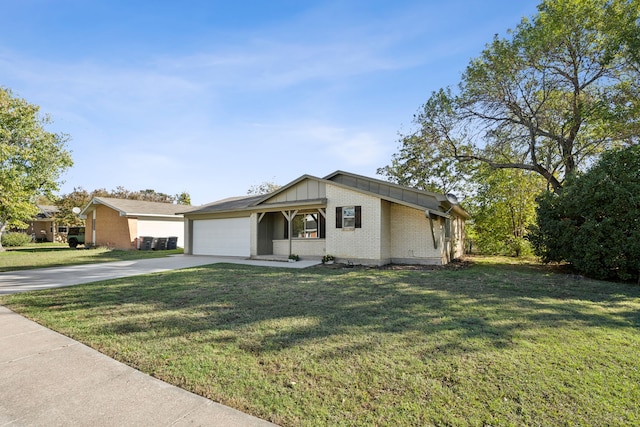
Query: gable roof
[[138, 208], [437, 203], [418, 199], [228, 204], [47, 211]]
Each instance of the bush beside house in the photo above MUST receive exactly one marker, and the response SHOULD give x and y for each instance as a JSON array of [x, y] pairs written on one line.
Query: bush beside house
[[14, 239], [595, 222]]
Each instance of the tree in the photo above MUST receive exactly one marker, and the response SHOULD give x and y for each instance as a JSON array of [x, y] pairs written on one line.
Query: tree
[[549, 99], [31, 159], [595, 222], [78, 198], [183, 198], [264, 188], [503, 209], [420, 165]]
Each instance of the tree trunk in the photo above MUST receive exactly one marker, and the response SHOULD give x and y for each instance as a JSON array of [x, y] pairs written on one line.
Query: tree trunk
[[3, 226]]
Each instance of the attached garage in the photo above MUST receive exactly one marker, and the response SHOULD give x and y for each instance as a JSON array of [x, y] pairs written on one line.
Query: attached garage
[[351, 217], [228, 237]]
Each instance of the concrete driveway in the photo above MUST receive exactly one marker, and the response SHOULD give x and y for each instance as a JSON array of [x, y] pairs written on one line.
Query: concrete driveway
[[31, 280]]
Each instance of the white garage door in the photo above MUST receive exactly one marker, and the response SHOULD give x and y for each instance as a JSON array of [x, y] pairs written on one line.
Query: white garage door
[[231, 237]]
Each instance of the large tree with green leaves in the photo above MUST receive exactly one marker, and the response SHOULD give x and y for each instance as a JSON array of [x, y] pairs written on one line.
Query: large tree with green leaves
[[32, 159], [560, 90], [503, 208]]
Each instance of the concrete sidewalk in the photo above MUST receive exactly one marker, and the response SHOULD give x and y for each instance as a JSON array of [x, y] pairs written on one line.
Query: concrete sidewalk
[[47, 379], [44, 278]]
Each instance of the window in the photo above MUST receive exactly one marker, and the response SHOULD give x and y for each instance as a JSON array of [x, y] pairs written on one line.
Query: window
[[306, 225], [63, 229], [447, 228], [349, 217]]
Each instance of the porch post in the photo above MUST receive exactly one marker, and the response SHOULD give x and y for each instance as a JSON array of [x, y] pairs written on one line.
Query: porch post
[[289, 215], [290, 231]]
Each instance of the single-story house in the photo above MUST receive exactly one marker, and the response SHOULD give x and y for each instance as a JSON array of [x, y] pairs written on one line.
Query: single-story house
[[46, 227], [354, 218], [120, 223]]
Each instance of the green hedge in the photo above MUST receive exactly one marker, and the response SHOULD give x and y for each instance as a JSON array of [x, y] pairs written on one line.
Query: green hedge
[[595, 222], [15, 239]]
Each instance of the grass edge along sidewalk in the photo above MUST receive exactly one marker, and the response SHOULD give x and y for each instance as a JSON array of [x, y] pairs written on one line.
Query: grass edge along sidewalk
[[44, 256], [495, 343]]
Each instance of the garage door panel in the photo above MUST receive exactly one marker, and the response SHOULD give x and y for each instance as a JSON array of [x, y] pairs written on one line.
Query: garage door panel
[[226, 237]]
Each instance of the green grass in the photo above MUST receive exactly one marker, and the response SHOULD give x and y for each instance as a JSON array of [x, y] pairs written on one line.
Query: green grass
[[49, 255], [494, 344]]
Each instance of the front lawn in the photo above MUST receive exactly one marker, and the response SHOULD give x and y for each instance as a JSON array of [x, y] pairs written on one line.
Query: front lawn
[[492, 344], [43, 255]]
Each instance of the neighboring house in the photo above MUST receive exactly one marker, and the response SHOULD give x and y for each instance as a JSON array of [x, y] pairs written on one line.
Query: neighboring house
[[352, 217], [119, 223], [45, 227]]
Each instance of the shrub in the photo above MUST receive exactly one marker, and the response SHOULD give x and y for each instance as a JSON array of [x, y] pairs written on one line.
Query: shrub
[[595, 222], [15, 239], [327, 258]]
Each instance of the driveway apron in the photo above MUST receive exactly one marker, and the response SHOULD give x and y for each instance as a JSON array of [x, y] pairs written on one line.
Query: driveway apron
[[43, 278]]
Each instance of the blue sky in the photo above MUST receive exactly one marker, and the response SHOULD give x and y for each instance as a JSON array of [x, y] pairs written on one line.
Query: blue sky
[[212, 97]]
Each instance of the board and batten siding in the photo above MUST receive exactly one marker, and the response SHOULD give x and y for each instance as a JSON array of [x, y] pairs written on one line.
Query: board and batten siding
[[307, 189]]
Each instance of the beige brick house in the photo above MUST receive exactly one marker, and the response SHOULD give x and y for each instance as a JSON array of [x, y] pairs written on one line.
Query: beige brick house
[[120, 223], [354, 218]]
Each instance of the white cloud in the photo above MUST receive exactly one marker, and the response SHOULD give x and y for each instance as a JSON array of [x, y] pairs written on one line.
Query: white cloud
[[215, 117], [360, 149]]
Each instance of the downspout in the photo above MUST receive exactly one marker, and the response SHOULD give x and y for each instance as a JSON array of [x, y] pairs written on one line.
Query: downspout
[[433, 236], [93, 228]]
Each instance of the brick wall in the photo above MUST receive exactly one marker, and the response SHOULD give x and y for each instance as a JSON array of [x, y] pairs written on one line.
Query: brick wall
[[360, 245], [113, 230], [411, 240]]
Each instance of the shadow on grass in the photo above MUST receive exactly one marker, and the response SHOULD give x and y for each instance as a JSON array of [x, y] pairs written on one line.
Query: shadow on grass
[[43, 249], [267, 310], [51, 256]]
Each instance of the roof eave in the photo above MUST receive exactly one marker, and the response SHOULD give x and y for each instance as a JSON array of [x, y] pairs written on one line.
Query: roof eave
[[138, 215], [294, 203], [264, 207]]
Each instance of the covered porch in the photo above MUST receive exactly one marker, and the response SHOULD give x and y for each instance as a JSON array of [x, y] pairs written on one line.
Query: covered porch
[[299, 229]]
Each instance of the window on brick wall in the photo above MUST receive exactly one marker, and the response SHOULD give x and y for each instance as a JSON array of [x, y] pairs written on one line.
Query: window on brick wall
[[349, 217]]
